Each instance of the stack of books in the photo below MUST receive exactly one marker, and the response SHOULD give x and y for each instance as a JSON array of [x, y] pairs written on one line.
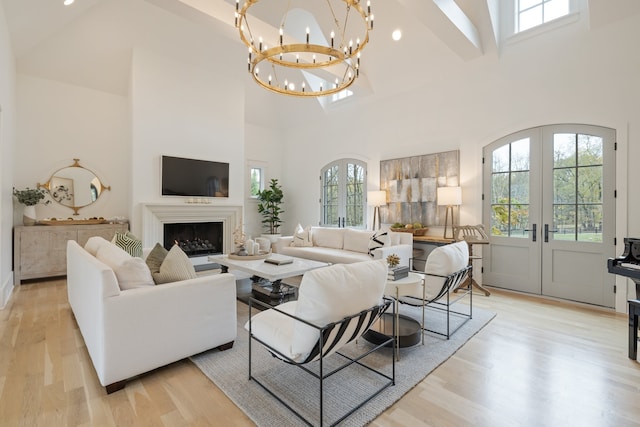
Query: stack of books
[[398, 272]]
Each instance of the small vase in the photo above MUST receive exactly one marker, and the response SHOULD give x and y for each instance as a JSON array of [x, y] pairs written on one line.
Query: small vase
[[29, 215], [241, 251]]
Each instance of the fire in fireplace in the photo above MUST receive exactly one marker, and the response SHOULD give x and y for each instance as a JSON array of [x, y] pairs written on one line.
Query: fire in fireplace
[[195, 238]]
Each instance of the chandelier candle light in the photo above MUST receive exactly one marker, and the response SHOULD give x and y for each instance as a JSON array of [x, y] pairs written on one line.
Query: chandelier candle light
[[306, 59]]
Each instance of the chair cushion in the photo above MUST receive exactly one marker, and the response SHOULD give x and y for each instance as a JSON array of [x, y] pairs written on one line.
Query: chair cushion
[[443, 261], [328, 237], [329, 294], [357, 240]]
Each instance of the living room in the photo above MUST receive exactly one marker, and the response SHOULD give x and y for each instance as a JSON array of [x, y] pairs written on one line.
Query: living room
[[119, 83]]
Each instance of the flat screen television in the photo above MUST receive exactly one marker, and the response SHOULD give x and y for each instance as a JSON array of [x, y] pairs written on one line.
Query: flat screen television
[[194, 178]]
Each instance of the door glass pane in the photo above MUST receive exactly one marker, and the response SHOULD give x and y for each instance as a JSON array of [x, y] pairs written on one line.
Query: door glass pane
[[355, 190], [519, 220], [564, 150], [330, 196], [564, 220], [499, 220], [500, 160], [589, 150], [520, 187], [590, 184], [520, 155], [590, 223], [500, 188], [564, 185]]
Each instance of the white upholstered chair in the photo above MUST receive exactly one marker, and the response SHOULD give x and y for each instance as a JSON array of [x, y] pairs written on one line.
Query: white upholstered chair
[[335, 306], [445, 270]]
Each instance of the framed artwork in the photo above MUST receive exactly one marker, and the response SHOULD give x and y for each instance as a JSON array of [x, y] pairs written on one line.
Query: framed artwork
[[411, 183]]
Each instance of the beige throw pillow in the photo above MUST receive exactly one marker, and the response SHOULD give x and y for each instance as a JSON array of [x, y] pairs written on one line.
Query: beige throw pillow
[[155, 258], [302, 237], [175, 267]]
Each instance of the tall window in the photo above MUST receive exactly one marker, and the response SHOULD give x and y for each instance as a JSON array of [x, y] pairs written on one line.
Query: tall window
[[257, 177], [344, 193], [532, 13], [510, 190]]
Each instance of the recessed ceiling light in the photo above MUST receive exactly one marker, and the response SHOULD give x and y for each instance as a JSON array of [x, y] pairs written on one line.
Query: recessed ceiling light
[[68, 2], [396, 35]]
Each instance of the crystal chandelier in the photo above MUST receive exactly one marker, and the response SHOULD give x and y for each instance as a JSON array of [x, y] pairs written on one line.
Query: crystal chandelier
[[306, 59]]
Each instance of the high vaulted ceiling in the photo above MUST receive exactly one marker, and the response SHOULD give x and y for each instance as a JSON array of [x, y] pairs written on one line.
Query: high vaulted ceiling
[[90, 43]]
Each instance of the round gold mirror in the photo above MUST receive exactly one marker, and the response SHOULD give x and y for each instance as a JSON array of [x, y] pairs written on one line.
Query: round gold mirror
[[74, 186]]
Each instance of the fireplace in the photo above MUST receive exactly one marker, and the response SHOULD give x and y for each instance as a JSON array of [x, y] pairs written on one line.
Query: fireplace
[[195, 238], [156, 215]]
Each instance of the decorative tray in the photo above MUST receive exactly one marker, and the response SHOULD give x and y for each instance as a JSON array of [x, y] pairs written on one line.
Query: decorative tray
[[261, 255], [72, 221]]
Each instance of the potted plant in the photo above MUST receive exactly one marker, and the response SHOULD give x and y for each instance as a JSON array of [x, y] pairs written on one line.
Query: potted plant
[[30, 197], [269, 207]]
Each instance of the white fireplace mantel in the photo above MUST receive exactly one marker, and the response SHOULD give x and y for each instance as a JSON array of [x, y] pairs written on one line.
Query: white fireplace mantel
[[155, 215]]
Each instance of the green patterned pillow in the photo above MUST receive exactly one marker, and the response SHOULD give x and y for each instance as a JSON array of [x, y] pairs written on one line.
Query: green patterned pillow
[[129, 243], [155, 258]]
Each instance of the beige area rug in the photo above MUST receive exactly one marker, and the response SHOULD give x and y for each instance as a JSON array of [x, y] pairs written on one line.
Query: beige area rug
[[229, 371]]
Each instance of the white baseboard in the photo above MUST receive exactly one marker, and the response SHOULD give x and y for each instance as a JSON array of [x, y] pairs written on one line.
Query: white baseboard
[[5, 291]]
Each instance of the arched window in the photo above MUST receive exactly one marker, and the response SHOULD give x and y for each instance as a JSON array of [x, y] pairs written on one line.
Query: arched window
[[343, 201]]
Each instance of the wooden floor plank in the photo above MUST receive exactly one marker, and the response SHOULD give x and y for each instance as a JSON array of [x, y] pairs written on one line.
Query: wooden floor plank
[[540, 362]]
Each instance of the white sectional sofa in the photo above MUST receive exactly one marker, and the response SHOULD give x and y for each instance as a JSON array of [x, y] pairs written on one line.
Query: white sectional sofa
[[345, 245], [129, 332]]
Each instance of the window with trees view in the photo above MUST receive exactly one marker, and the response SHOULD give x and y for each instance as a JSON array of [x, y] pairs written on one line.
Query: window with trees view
[[577, 187], [510, 189], [256, 180], [343, 193]]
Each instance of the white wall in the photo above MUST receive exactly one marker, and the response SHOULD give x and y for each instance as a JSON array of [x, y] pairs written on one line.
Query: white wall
[[264, 147], [572, 75], [59, 122], [7, 142], [182, 110]]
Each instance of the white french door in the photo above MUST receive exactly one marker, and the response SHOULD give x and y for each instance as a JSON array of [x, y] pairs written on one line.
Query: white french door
[[549, 205]]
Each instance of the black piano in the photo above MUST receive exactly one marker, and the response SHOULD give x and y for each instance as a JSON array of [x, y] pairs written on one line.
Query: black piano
[[628, 265]]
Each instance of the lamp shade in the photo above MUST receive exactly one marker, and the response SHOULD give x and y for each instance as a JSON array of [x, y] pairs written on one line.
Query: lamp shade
[[377, 198], [449, 196]]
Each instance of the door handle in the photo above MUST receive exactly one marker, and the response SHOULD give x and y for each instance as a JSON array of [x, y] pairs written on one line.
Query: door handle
[[535, 232], [547, 231]]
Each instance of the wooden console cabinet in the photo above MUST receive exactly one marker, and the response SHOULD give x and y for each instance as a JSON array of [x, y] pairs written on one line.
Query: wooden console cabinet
[[41, 250]]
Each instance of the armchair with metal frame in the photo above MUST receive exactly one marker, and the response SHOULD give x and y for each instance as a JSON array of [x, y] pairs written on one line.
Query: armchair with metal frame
[[335, 306], [445, 270]]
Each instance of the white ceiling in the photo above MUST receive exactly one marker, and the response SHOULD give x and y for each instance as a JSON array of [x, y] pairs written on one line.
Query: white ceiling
[[91, 42]]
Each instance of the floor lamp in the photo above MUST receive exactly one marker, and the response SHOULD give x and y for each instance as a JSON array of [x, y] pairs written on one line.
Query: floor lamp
[[376, 199], [449, 197]]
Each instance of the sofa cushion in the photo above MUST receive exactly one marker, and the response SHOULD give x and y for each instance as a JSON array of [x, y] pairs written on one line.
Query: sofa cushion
[[330, 255], [155, 258], [176, 267], [331, 293], [302, 237], [328, 237], [379, 239], [129, 243], [357, 240], [131, 272]]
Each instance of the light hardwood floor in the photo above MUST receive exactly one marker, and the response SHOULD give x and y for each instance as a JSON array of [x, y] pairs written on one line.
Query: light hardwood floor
[[538, 363]]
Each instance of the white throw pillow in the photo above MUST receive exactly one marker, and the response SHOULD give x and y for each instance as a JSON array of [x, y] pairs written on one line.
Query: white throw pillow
[[357, 240], [331, 293], [131, 272], [176, 267], [378, 240], [328, 237], [302, 237], [94, 243]]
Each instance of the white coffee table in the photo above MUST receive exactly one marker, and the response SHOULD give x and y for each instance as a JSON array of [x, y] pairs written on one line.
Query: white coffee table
[[267, 277]]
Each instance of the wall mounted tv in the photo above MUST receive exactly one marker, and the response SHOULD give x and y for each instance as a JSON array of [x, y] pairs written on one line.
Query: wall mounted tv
[[194, 178]]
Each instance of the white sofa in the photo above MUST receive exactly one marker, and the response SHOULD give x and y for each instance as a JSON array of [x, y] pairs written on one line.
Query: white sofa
[[345, 245], [129, 332]]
